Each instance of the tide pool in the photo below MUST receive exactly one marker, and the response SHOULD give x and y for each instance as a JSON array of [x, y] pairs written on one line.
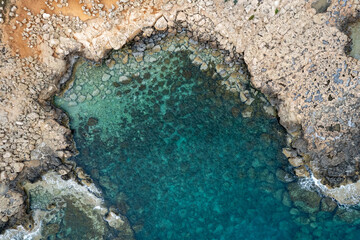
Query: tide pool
[[182, 146]]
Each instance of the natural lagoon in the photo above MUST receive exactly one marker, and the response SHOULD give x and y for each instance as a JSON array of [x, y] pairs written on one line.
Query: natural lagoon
[[161, 131], [181, 145]]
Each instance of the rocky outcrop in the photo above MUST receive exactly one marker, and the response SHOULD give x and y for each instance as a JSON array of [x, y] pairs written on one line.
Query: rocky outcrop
[[294, 53]]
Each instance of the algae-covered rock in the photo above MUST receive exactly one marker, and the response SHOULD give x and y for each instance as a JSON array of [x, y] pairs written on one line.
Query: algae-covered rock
[[348, 215], [92, 121], [328, 204], [284, 176], [68, 210], [307, 201]]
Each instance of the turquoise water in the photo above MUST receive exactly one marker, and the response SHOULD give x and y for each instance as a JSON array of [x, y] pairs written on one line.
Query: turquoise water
[[177, 152]]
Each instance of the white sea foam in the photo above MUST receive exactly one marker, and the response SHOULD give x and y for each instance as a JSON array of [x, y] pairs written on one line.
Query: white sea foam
[[346, 194], [20, 233], [71, 186], [57, 187]]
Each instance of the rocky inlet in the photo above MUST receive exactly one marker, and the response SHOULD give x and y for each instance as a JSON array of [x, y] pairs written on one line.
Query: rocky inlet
[[298, 55]]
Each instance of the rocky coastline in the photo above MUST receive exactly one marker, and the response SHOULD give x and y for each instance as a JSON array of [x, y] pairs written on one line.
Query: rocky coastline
[[296, 56]]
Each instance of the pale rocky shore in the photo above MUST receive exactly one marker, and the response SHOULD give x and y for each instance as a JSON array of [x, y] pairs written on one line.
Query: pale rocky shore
[[294, 53]]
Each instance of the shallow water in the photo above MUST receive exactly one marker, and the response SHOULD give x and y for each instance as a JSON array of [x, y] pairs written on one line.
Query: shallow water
[[321, 5], [63, 210], [176, 152], [355, 38]]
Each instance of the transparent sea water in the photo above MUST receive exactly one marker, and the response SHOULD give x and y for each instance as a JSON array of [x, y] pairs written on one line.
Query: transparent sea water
[[173, 151], [354, 30]]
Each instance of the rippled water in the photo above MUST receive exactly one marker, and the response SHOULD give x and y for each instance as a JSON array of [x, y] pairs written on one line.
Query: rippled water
[[176, 150]]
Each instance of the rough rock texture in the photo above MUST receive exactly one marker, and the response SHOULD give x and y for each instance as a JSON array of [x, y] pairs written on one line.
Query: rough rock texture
[[294, 53]]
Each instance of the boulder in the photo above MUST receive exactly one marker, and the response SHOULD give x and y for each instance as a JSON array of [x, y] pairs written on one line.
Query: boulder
[[139, 56], [114, 221], [124, 80], [302, 172], [349, 216], [289, 152], [296, 161], [161, 24], [18, 167], [328, 205], [300, 145], [305, 200], [284, 176], [181, 17]]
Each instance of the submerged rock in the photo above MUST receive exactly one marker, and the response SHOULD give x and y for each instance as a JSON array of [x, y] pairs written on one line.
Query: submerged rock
[[139, 56], [307, 201], [284, 176], [116, 84], [321, 5], [124, 80], [247, 112], [328, 204], [348, 215], [92, 121], [106, 77], [221, 22], [59, 205], [235, 112], [114, 220]]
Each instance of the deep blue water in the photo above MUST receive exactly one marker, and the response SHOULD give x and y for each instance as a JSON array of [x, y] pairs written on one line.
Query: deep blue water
[[170, 149]]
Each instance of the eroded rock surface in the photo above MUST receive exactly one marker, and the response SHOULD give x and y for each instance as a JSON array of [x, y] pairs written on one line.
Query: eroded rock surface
[[294, 53]]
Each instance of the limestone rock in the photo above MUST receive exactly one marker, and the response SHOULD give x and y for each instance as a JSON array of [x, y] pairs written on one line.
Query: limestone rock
[[105, 77], [18, 167], [197, 61], [204, 67], [289, 153], [287, 70], [296, 161], [302, 172], [147, 32], [3, 117], [161, 24], [7, 155], [33, 116], [346, 215], [46, 15], [247, 112], [114, 221], [181, 17], [124, 79]]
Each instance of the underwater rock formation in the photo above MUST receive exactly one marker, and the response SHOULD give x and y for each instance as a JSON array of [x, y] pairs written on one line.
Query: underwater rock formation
[[294, 53]]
